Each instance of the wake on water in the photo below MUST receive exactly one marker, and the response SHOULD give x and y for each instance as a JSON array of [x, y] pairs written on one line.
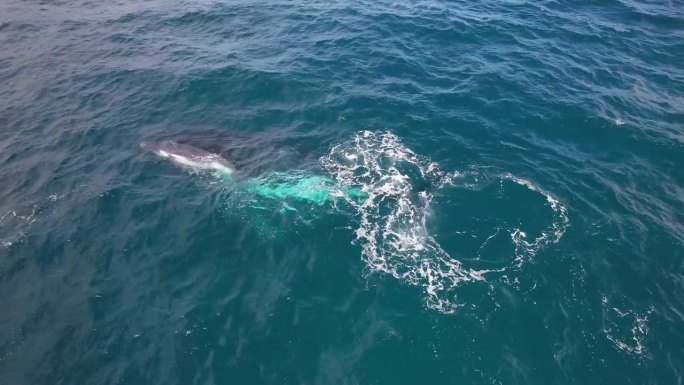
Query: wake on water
[[389, 190]]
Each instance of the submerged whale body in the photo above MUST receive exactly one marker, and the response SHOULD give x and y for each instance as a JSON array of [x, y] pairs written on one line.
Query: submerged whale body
[[189, 156]]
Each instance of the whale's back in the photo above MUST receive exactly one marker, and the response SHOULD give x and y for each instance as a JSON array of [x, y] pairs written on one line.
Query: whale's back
[[190, 156], [185, 150]]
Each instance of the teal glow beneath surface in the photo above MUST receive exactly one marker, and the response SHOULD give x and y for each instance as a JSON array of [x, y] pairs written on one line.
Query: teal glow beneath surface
[[315, 189]]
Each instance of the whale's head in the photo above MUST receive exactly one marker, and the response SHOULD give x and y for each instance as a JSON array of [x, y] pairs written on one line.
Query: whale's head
[[149, 146], [163, 148]]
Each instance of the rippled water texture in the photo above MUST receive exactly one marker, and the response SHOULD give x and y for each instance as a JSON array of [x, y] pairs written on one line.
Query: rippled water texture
[[425, 192]]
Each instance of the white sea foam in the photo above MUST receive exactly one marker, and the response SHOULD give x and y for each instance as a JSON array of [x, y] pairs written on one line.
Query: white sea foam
[[528, 247], [17, 224], [392, 218], [625, 328]]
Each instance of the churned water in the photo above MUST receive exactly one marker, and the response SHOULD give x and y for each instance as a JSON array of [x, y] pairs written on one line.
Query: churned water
[[425, 192]]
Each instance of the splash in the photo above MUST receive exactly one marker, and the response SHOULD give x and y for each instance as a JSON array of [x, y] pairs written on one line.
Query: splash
[[392, 219], [399, 186]]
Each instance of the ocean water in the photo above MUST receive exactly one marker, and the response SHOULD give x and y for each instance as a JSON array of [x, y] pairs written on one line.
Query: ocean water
[[431, 192]]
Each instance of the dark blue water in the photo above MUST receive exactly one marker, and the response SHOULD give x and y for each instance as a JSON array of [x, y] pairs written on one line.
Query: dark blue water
[[519, 216]]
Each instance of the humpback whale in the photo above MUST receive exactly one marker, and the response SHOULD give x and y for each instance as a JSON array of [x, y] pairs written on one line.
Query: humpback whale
[[189, 156]]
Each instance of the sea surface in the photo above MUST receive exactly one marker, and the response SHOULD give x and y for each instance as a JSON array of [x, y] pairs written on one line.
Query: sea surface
[[518, 205]]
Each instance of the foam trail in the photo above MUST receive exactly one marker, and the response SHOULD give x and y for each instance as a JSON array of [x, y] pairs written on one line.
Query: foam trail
[[525, 247], [392, 232], [392, 219]]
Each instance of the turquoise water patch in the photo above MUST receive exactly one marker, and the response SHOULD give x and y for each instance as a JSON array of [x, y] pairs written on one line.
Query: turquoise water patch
[[313, 189]]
